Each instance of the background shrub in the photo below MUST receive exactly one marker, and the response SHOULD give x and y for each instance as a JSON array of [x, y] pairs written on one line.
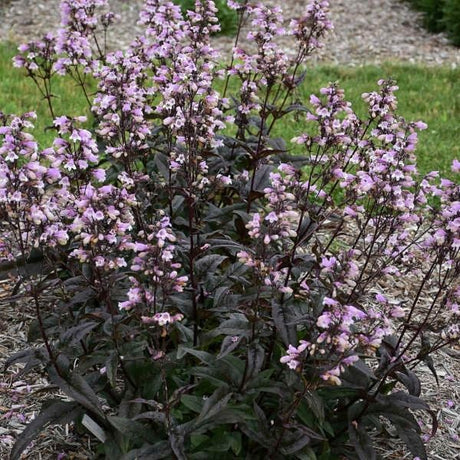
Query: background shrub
[[451, 20], [433, 13], [441, 16]]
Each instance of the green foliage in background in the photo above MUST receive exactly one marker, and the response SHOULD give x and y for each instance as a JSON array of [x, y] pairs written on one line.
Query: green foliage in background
[[433, 13], [440, 16], [451, 20]]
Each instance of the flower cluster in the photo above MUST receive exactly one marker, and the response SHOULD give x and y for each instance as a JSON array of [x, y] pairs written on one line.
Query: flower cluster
[[154, 262], [24, 204], [37, 56], [162, 319], [121, 106], [311, 28], [165, 25], [101, 221], [76, 150], [372, 162], [274, 229], [75, 38], [293, 356], [269, 60], [446, 228]]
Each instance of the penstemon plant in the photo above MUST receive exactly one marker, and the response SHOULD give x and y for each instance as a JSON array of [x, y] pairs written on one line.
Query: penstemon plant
[[204, 292]]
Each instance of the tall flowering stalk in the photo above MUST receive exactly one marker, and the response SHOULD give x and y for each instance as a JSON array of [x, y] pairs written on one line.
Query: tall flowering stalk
[[210, 288]]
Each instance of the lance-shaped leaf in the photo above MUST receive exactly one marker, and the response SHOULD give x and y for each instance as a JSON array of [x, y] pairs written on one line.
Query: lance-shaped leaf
[[229, 344], [410, 380], [111, 365], [75, 334], [129, 428], [361, 441], [54, 413], [156, 451], [262, 178], [214, 404], [78, 389], [176, 441], [31, 357], [294, 442], [208, 264], [285, 330]]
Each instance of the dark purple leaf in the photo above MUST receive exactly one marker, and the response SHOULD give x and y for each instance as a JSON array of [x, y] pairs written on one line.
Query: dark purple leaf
[[229, 344], [361, 441], [262, 178], [111, 365], [157, 451], [75, 334], [55, 413], [176, 442], [294, 445], [285, 330], [214, 404], [412, 440], [208, 265], [410, 380], [78, 389]]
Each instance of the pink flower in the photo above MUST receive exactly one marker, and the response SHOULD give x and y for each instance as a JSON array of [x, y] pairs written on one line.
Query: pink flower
[[324, 321], [272, 217], [456, 165], [99, 174], [380, 298]]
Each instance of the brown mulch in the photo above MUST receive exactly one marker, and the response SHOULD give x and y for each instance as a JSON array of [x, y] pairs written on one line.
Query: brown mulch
[[21, 397]]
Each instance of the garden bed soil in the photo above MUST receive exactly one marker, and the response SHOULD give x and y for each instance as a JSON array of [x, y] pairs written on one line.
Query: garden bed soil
[[22, 396]]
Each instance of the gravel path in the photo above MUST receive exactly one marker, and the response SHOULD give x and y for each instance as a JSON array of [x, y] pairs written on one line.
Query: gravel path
[[366, 31]]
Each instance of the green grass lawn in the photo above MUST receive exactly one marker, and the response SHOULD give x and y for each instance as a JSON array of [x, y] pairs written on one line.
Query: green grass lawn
[[430, 94]]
